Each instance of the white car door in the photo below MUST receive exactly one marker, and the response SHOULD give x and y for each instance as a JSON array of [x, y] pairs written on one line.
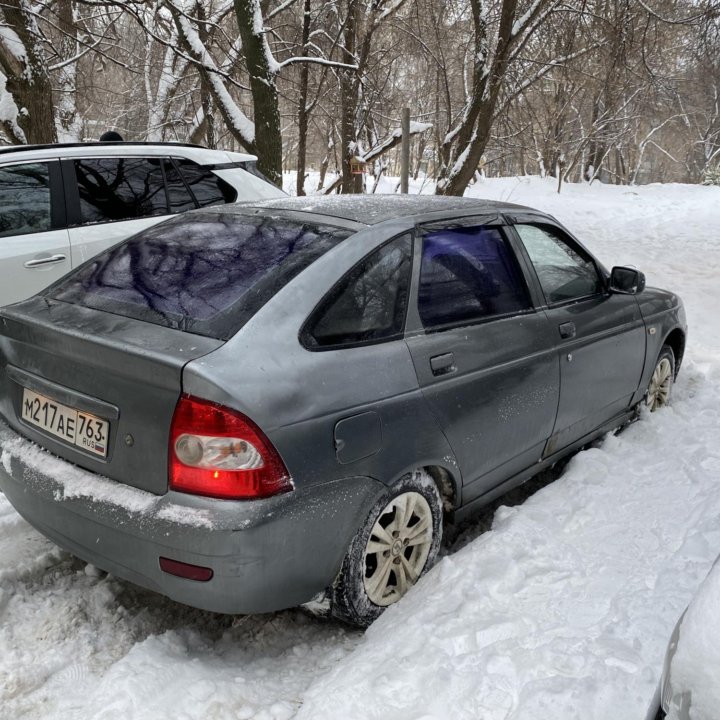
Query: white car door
[[34, 244], [111, 199]]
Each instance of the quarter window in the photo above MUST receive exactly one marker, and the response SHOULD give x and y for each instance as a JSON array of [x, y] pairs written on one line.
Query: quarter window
[[565, 272], [468, 274], [207, 187], [369, 304], [120, 189], [179, 195], [25, 199]]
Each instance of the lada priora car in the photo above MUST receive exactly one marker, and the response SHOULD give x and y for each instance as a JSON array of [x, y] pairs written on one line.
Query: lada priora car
[[61, 204], [245, 408]]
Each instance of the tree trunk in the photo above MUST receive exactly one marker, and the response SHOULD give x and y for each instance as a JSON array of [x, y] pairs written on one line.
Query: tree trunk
[[263, 88], [27, 76], [205, 91], [69, 125], [303, 110], [349, 100], [462, 151]]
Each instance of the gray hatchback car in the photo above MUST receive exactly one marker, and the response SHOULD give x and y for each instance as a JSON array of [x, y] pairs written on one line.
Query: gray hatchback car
[[248, 407]]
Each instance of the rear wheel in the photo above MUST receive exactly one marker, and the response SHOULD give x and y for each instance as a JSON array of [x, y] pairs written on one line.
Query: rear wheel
[[398, 542], [660, 387]]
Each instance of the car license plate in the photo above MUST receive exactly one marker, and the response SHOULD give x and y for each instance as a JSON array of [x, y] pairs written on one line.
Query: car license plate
[[88, 432]]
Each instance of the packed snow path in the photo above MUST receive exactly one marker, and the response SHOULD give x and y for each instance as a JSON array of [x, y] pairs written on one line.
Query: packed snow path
[[562, 610]]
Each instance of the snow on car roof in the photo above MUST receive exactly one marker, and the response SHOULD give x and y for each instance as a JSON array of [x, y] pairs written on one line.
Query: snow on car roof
[[372, 209]]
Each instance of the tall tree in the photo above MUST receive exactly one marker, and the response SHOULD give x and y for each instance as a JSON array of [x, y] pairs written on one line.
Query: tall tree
[[494, 50], [262, 70]]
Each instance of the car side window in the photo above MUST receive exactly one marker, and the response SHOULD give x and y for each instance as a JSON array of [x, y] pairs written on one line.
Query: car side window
[[25, 199], [369, 303], [208, 188], [468, 274], [120, 188], [565, 272]]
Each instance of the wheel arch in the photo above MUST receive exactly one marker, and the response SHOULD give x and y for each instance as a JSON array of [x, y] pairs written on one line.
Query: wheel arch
[[447, 486], [446, 479], [676, 341]]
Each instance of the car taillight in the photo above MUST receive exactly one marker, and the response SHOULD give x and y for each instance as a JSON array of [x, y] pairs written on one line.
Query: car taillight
[[218, 452]]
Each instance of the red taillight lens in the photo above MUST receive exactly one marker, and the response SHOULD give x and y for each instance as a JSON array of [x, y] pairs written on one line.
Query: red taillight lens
[[218, 452]]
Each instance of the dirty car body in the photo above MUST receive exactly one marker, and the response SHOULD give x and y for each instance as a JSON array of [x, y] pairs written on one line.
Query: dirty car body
[[356, 341]]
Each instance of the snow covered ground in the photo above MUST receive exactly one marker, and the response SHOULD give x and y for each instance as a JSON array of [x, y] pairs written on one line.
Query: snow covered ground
[[561, 610]]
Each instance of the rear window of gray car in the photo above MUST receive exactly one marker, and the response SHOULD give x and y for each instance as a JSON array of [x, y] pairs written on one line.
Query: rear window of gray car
[[205, 273]]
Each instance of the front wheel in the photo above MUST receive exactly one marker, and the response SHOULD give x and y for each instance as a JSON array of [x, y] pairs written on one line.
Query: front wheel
[[397, 544], [658, 393]]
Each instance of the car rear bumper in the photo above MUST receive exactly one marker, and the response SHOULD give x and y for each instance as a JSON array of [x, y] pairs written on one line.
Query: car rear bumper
[[265, 555]]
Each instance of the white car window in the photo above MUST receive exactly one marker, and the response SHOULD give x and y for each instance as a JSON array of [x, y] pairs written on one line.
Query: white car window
[[113, 189], [24, 199]]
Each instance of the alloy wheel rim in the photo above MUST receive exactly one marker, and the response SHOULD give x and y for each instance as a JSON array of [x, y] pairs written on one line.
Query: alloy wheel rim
[[398, 547], [660, 383]]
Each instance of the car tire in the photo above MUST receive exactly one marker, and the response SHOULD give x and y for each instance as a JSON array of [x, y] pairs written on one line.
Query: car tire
[[661, 381], [397, 544]]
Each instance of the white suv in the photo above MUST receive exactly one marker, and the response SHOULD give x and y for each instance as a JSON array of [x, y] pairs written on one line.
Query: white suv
[[62, 204]]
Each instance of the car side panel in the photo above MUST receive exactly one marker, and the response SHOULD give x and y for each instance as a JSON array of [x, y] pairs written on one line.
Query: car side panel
[[601, 349], [17, 281], [497, 404], [47, 252], [297, 396], [600, 367], [300, 408]]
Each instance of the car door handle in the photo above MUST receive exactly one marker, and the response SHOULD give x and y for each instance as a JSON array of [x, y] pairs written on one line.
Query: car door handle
[[39, 262], [442, 364], [567, 330]]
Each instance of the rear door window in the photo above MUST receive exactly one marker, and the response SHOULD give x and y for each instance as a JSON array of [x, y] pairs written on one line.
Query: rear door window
[[468, 274], [113, 189], [207, 273], [25, 204]]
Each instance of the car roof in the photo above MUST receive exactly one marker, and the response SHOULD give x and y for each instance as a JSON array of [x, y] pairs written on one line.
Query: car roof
[[373, 209], [198, 153]]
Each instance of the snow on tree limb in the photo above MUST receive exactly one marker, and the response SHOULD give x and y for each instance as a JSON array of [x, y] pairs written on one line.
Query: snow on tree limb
[[283, 6], [231, 112], [315, 61], [522, 22], [8, 116], [13, 46], [393, 140]]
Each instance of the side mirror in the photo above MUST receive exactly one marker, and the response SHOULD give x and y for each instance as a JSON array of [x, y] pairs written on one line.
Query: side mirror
[[626, 281]]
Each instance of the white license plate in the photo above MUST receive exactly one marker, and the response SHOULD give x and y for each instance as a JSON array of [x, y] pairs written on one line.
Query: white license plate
[[86, 431]]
